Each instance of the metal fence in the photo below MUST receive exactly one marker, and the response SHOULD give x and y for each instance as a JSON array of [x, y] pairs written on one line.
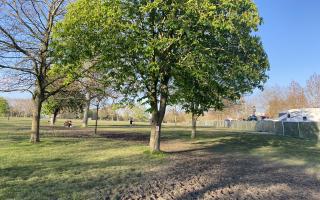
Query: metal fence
[[310, 130]]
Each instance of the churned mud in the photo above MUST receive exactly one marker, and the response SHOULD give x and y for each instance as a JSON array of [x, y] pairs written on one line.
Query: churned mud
[[202, 174]]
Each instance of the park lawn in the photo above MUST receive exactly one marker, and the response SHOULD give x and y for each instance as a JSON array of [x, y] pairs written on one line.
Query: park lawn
[[66, 166]]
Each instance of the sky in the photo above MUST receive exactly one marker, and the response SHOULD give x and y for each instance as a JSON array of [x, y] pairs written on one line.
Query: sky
[[291, 37]]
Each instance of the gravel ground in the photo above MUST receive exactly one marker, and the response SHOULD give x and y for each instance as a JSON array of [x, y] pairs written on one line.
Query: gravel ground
[[207, 175]]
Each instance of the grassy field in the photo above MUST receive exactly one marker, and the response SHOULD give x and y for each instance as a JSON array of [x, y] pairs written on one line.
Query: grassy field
[[76, 164]]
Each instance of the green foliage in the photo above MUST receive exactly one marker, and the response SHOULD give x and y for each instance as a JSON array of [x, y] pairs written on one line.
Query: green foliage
[[139, 113], [4, 107], [226, 61], [69, 99], [93, 22], [204, 49]]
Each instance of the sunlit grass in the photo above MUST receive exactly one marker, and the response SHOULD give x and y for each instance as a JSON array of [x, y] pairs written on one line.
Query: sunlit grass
[[64, 167], [67, 168]]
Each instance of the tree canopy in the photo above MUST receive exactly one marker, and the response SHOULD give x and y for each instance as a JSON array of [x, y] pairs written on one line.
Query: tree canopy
[[157, 47], [4, 107], [27, 63]]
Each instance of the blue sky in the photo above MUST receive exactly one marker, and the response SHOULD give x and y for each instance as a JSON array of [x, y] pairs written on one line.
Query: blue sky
[[291, 37]]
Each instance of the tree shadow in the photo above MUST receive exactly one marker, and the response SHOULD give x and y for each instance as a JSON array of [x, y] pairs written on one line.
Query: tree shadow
[[69, 178], [127, 136]]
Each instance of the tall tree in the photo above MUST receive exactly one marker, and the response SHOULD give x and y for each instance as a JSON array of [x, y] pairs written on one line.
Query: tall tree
[[21, 107], [69, 99], [95, 25], [149, 45], [313, 91], [273, 100], [4, 107], [197, 95], [296, 98], [26, 63]]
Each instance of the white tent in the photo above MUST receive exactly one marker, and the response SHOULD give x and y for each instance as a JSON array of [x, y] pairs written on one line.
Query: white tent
[[301, 115]]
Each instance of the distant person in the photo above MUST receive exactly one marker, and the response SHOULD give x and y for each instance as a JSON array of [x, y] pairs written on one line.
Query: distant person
[[68, 124], [131, 122]]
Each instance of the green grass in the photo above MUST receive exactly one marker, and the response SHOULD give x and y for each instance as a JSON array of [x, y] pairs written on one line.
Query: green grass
[[66, 168], [85, 168]]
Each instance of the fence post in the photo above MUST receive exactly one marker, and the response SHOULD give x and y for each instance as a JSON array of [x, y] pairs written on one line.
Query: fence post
[[299, 129]]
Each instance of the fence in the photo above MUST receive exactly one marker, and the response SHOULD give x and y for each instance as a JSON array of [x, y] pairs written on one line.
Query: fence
[[310, 130]]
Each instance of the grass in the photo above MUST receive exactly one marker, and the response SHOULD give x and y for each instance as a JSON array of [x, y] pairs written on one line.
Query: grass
[[67, 167]]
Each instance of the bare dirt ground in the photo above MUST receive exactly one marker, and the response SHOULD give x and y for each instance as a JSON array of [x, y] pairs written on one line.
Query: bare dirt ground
[[196, 172], [202, 174]]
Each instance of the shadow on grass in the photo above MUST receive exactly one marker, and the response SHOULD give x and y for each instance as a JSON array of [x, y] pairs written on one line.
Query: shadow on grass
[[279, 146], [72, 175], [265, 145], [75, 178], [120, 126]]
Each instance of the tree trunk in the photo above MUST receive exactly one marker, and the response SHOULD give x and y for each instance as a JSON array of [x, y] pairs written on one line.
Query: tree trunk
[[155, 133], [35, 135], [96, 126], [175, 116], [54, 117], [86, 111], [194, 126], [157, 118]]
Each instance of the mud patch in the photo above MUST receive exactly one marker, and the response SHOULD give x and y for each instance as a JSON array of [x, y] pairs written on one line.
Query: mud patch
[[207, 175], [127, 136]]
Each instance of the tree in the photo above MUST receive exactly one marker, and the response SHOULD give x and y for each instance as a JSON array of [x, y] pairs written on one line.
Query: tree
[[197, 95], [4, 107], [139, 113], [216, 72], [94, 86], [175, 114], [149, 45], [83, 22], [26, 57], [273, 100], [239, 109], [296, 98], [136, 112], [21, 107], [100, 98], [279, 99], [70, 99], [275, 106], [313, 91]]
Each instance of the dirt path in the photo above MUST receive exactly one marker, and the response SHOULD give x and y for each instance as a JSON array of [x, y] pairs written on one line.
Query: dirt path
[[206, 175], [193, 172]]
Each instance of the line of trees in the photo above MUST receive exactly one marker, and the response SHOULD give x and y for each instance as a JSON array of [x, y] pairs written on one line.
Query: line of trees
[[196, 54], [277, 99]]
